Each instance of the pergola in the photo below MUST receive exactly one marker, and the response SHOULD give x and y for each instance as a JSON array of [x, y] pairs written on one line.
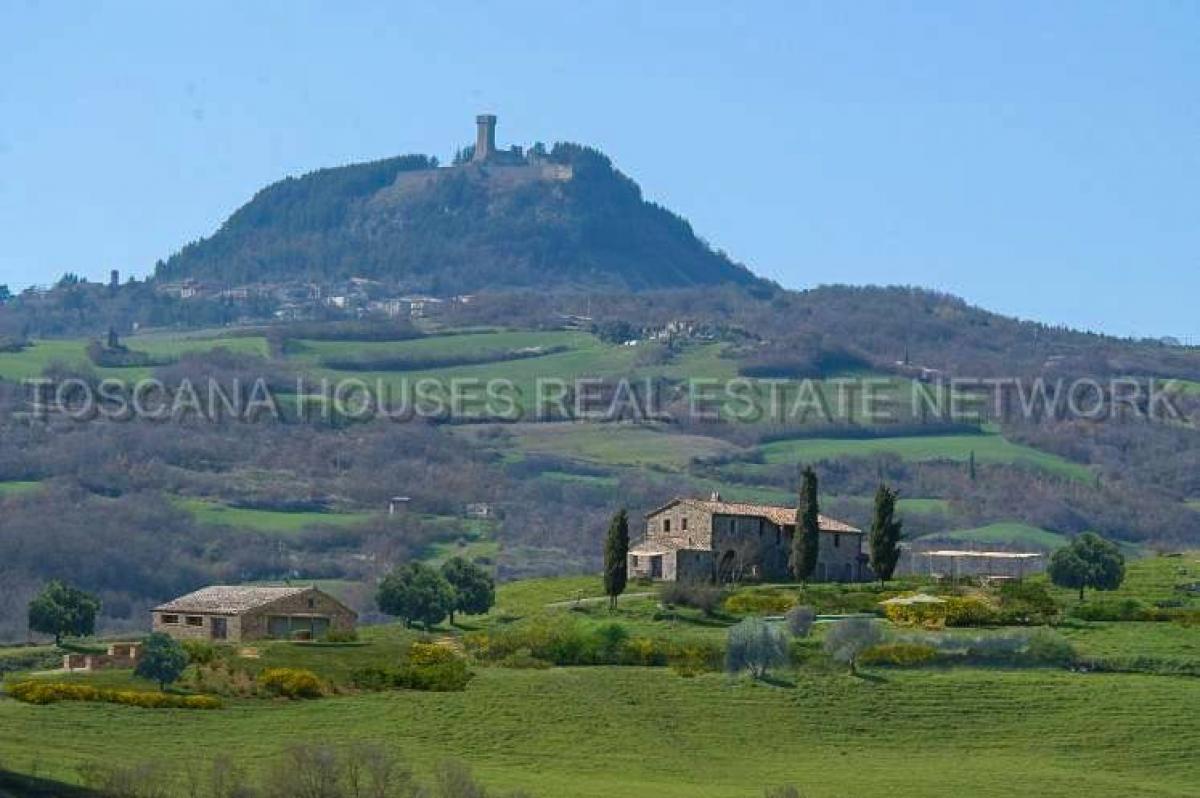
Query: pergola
[[988, 565]]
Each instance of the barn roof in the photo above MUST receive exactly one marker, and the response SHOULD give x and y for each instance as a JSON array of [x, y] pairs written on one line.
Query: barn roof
[[230, 599], [776, 514]]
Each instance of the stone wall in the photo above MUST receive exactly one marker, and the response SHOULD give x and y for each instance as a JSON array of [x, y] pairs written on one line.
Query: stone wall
[[255, 624]]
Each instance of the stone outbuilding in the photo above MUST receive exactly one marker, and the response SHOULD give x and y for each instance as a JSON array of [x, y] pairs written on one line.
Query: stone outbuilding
[[698, 540], [240, 613]]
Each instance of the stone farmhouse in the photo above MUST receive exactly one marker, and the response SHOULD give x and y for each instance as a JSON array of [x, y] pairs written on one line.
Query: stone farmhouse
[[237, 614], [698, 540]]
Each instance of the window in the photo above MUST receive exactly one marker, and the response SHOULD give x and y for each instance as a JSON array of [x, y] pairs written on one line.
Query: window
[[169, 618], [666, 525], [633, 558], [195, 620], [683, 523], [837, 540], [312, 603]]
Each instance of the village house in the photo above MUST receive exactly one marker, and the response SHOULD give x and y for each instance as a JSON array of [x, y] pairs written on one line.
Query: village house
[[705, 540], [238, 613]]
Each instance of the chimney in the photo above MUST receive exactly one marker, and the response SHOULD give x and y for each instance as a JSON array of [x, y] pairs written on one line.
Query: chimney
[[485, 136]]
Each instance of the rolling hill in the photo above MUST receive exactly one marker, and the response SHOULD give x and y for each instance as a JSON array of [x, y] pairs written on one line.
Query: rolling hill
[[563, 218]]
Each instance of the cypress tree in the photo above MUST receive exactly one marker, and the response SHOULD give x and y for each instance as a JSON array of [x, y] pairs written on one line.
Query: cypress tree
[[616, 554], [806, 541], [883, 543]]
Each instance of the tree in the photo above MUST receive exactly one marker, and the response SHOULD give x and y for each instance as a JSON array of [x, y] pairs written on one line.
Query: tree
[[5, 293], [883, 543], [1088, 561], [616, 555], [416, 593], [63, 610], [474, 588], [162, 660], [806, 541], [848, 639], [754, 645], [800, 620]]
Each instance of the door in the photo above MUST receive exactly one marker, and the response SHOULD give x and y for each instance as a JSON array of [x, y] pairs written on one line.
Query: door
[[220, 628], [656, 567]]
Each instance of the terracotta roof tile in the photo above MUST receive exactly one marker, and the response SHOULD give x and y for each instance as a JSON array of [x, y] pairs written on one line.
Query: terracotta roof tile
[[776, 514], [232, 599]]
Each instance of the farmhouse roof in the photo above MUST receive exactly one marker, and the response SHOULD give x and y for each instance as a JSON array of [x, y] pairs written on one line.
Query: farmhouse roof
[[776, 514], [232, 599]]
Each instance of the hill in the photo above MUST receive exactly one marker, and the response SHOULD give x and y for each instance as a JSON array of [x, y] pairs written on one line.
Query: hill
[[565, 217]]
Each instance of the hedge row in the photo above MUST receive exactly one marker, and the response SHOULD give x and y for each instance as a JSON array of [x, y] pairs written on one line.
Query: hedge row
[[35, 692]]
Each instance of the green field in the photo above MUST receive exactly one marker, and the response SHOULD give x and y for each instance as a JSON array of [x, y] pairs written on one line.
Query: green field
[[17, 486], [602, 732], [31, 361], [988, 449], [610, 444], [594, 732], [1149, 579], [274, 521], [1011, 533]]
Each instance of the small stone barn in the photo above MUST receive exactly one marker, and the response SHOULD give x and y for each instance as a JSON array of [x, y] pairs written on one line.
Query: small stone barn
[[236, 613], [698, 540]]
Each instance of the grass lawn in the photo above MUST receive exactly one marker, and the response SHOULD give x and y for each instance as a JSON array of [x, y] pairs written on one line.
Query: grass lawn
[[601, 732], [31, 361], [1170, 642], [610, 444], [1012, 533], [212, 512], [988, 448], [1148, 579], [17, 486]]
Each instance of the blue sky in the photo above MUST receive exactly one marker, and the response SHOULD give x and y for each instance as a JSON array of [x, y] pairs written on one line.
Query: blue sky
[[1039, 159]]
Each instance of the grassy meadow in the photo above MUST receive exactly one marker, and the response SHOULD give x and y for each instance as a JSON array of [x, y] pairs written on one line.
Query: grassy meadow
[[1011, 533], [989, 448], [601, 731], [207, 511]]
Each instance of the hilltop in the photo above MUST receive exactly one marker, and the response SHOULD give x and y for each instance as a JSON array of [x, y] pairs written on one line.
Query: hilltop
[[563, 217]]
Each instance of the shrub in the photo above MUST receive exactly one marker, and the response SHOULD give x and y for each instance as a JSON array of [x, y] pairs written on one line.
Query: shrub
[[1128, 609], [706, 598], [1028, 603], [970, 611], [341, 636], [900, 655], [523, 659], [420, 654], [290, 683], [926, 614], [1047, 648], [756, 646], [199, 652], [37, 692], [800, 620], [759, 602], [442, 677]]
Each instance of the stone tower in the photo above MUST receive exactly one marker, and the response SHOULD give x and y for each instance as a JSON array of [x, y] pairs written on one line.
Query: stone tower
[[485, 137]]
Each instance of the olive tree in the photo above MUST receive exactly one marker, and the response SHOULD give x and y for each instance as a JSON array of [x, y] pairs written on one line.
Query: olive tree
[[800, 620], [846, 640], [754, 645]]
